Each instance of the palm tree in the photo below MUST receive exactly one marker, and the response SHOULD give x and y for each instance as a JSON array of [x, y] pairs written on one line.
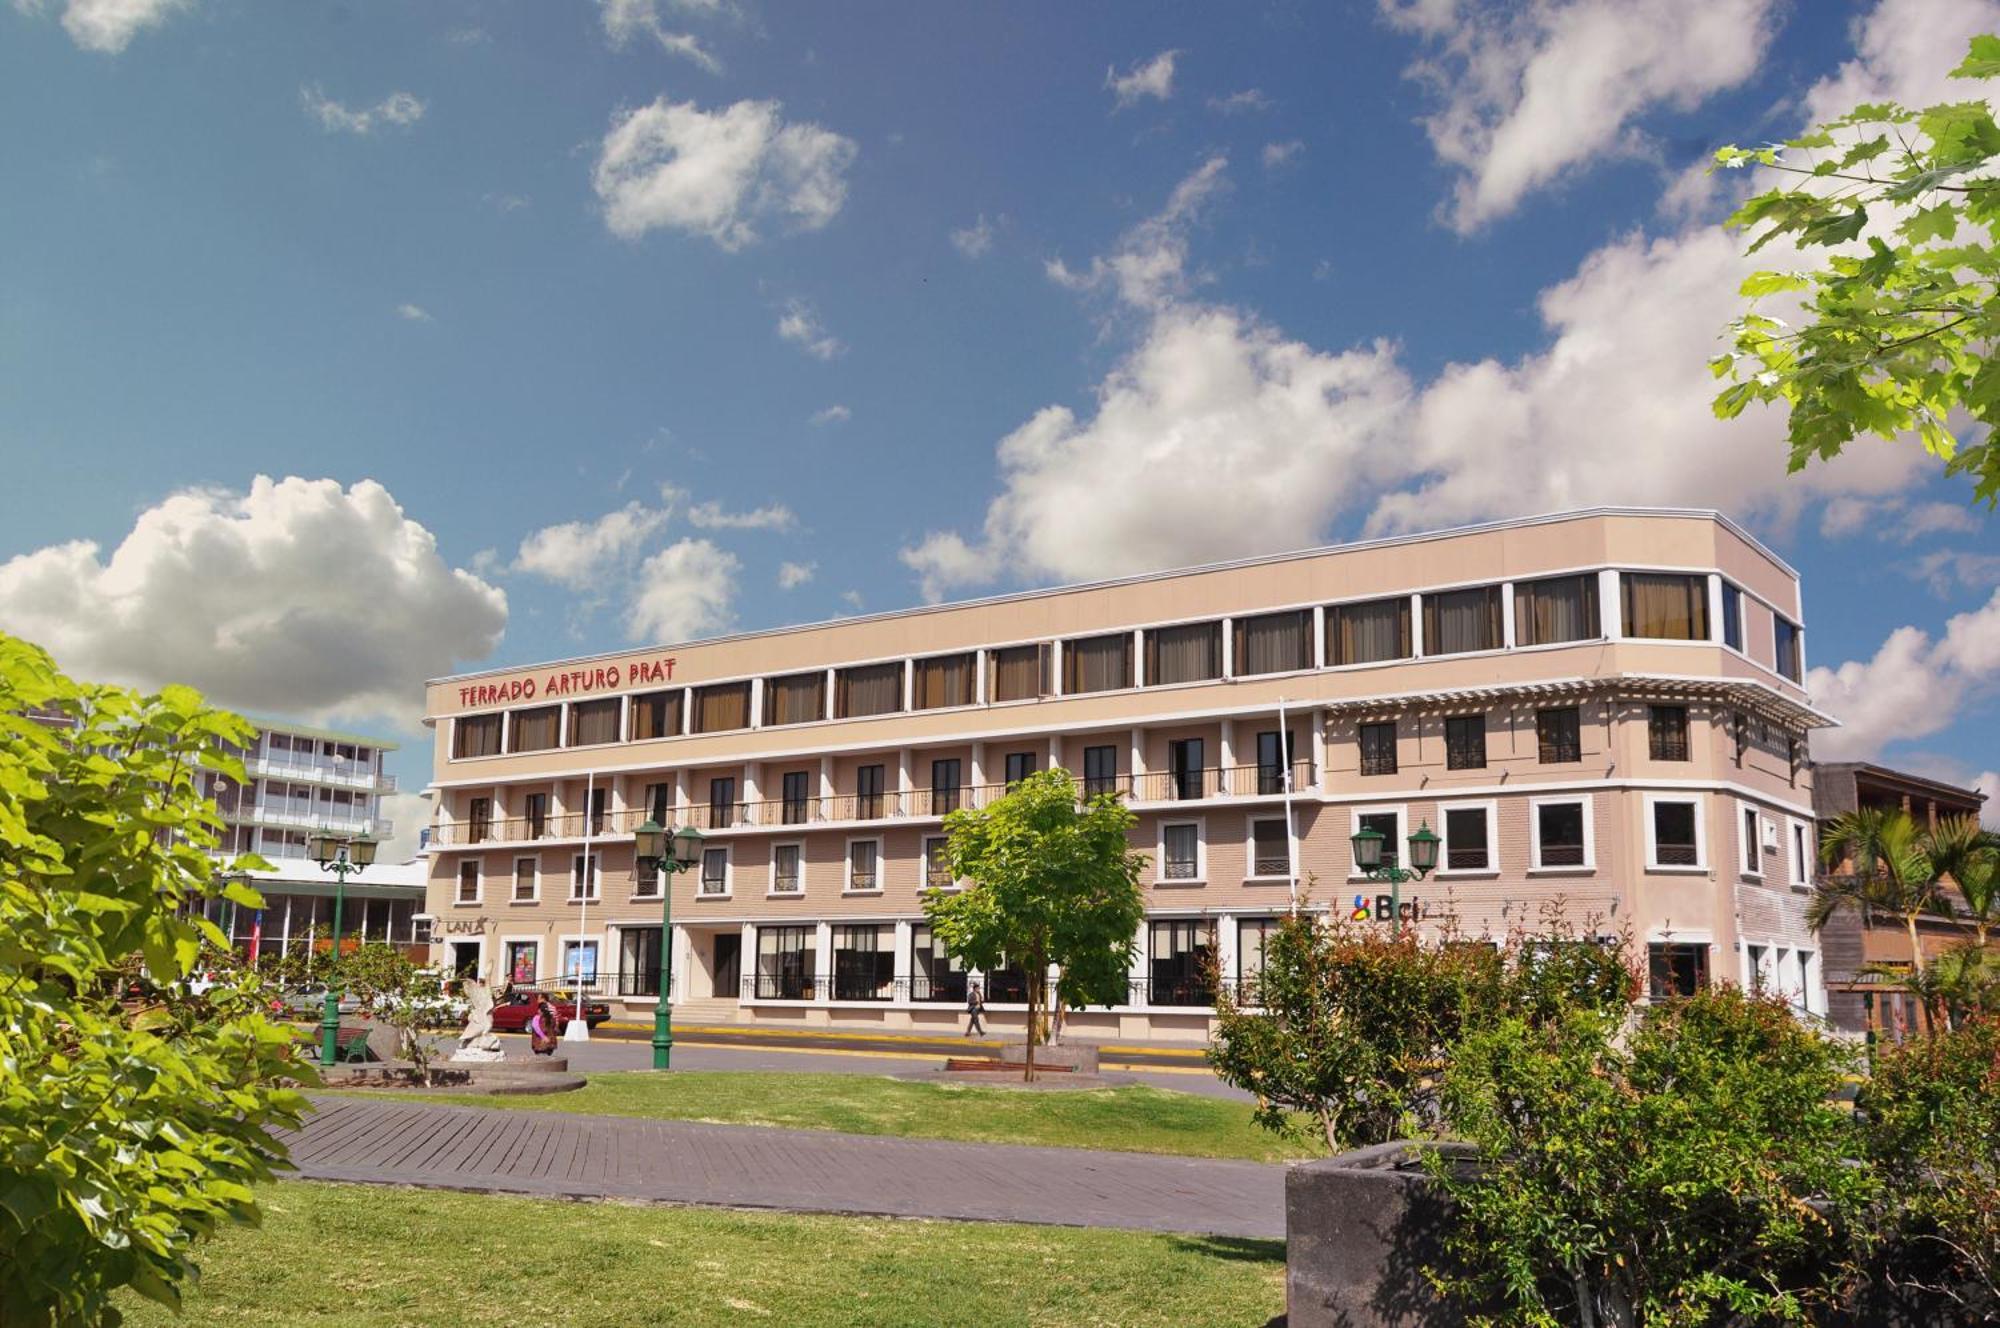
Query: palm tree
[[1970, 855], [1897, 867]]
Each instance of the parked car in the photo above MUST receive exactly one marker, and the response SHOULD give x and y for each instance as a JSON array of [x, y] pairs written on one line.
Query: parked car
[[310, 1003], [512, 1011]]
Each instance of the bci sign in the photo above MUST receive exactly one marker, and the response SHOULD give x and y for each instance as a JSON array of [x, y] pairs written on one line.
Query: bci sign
[[1383, 908]]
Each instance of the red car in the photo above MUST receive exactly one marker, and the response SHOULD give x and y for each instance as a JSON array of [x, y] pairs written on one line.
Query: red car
[[512, 1012]]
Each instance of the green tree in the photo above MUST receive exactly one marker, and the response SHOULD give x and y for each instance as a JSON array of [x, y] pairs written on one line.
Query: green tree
[[1691, 1171], [1895, 866], [1052, 882], [128, 1129], [394, 989], [1899, 318]]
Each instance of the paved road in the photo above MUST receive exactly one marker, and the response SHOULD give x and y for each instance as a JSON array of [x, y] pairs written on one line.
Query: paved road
[[1119, 1055], [392, 1141]]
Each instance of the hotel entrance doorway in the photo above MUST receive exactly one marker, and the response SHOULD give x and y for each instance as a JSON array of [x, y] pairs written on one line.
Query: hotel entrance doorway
[[728, 968]]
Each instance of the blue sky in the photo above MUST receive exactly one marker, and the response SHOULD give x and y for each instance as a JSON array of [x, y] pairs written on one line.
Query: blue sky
[[553, 325]]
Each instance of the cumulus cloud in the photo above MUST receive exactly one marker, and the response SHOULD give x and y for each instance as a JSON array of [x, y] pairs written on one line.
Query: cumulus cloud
[[834, 414], [1281, 154], [1240, 103], [1945, 570], [297, 597], [685, 590], [626, 19], [1529, 94], [413, 313], [1913, 686], [712, 516], [1153, 78], [398, 108], [793, 575], [1148, 270], [108, 26], [975, 240], [799, 324], [720, 173], [578, 554]]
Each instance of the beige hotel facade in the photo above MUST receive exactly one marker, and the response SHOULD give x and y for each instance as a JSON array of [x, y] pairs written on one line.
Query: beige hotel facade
[[1601, 708]]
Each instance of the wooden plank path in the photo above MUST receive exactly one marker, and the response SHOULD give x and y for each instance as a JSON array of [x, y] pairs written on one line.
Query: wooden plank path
[[560, 1155]]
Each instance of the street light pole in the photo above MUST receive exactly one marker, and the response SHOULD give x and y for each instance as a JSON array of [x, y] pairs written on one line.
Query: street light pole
[[651, 843], [1368, 858], [342, 857]]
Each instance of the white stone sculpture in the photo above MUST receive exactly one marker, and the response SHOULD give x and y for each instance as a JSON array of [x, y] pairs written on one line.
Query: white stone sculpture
[[478, 1041]]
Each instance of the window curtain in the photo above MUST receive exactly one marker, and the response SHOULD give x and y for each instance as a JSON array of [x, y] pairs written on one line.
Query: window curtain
[[536, 730], [1460, 620], [593, 722], [1562, 608], [656, 715], [476, 735], [1099, 664], [1184, 654], [721, 708], [797, 699], [870, 689], [944, 681], [1274, 643], [1018, 674], [1673, 608], [1372, 632]]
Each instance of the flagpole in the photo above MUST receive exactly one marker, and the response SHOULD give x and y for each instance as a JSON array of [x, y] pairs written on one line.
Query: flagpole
[[578, 1029]]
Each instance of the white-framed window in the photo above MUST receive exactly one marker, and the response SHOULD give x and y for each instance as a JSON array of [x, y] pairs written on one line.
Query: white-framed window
[[468, 882], [714, 870], [1749, 831], [521, 959], [937, 867], [646, 884], [788, 863], [586, 874], [1392, 823], [1183, 854], [864, 866], [1469, 839], [527, 880], [1269, 842], [1802, 853], [1674, 833], [1560, 834], [580, 962]]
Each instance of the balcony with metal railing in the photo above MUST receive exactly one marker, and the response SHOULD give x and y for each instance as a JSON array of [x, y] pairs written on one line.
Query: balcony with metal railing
[[318, 770]]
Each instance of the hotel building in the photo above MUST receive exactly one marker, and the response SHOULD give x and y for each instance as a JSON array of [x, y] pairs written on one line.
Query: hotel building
[[1601, 708]]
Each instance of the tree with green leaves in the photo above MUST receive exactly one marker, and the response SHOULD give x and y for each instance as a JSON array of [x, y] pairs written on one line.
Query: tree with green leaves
[[1899, 317], [402, 994], [1052, 880], [129, 1126], [1894, 866]]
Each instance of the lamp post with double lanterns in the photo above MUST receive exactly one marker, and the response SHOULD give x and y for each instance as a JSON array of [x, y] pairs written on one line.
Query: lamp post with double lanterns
[[1368, 860], [342, 857], [671, 854]]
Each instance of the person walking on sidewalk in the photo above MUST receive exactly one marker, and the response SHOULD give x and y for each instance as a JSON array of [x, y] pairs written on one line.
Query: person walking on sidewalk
[[542, 1029], [975, 1005]]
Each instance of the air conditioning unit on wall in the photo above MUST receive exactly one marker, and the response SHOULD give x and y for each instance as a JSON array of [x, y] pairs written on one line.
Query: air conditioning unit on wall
[[1770, 834]]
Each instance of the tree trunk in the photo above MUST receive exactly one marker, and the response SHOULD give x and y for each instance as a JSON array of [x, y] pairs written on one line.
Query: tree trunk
[[1916, 946]]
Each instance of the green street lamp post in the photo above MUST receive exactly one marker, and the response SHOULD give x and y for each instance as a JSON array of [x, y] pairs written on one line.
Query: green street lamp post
[[342, 857], [1368, 860], [672, 854]]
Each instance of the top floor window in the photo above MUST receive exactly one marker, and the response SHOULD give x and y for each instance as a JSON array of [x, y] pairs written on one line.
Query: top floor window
[[1098, 663], [1665, 607], [1191, 652], [535, 730], [1368, 633], [593, 722], [798, 698], [946, 680], [656, 715], [868, 689], [722, 707], [1667, 732], [1273, 643], [1465, 742], [1560, 608], [1732, 616], [1559, 735], [1378, 749], [1017, 673], [475, 735], [1456, 621], [1787, 638]]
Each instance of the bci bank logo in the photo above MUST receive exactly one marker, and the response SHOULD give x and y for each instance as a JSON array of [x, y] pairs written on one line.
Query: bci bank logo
[[1383, 908]]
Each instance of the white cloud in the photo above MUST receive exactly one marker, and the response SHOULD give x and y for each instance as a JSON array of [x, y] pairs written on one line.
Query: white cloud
[[1912, 687], [409, 814], [793, 575], [834, 414], [711, 516], [626, 19], [108, 26], [413, 313], [1948, 569], [298, 598], [1895, 518], [1149, 268], [685, 590], [1280, 154], [1529, 95], [1154, 78], [1239, 103], [719, 173], [799, 324], [582, 554], [975, 240], [398, 108], [503, 203], [851, 598]]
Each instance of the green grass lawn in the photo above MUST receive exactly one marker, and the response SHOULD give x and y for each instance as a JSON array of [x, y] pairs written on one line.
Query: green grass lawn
[[335, 1255], [1135, 1118]]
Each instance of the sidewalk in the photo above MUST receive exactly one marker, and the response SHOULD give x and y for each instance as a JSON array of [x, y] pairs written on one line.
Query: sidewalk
[[556, 1154], [1122, 1054]]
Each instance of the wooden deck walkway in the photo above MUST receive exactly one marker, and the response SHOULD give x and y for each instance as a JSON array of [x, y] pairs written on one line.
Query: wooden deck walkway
[[556, 1154]]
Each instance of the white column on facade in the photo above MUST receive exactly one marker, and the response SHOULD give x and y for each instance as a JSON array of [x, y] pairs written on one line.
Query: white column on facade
[[1056, 667], [1506, 615], [1139, 656], [826, 779], [1227, 757], [1714, 580], [1229, 647], [1417, 625], [747, 965], [823, 959], [1142, 956], [909, 685], [753, 781], [900, 961], [756, 703], [687, 711], [826, 710], [625, 717], [1318, 718], [680, 793], [562, 725], [679, 949], [1225, 946], [979, 676], [1319, 636], [979, 765], [903, 785], [1609, 611]]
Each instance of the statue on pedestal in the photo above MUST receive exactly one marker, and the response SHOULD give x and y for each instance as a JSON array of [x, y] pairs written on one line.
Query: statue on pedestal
[[478, 1041]]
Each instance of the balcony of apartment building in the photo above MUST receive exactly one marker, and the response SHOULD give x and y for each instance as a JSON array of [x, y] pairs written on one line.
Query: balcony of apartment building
[[317, 767]]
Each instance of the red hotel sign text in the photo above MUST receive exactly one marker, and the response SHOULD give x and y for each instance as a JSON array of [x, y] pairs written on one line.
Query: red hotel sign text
[[605, 677]]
